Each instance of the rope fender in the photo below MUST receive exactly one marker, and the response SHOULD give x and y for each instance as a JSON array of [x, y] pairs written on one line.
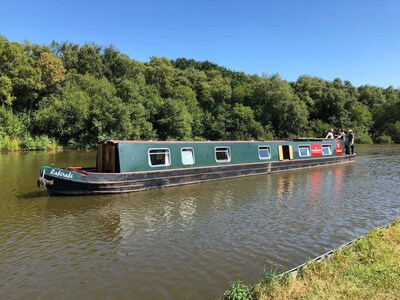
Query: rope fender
[[42, 183]]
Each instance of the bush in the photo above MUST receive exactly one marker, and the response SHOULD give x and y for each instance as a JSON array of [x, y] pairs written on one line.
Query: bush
[[42, 142], [4, 140], [238, 291], [10, 125], [384, 139], [362, 138], [7, 143]]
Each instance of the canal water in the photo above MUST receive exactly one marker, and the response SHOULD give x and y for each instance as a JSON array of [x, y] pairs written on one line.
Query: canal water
[[188, 242]]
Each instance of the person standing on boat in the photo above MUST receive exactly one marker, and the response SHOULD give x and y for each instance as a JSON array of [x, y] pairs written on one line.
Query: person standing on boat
[[342, 135], [350, 141], [330, 135]]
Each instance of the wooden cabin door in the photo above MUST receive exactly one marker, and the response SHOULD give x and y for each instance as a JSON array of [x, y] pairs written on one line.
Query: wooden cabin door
[[106, 158]]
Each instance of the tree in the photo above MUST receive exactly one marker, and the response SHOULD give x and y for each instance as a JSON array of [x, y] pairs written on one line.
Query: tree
[[68, 53], [213, 92], [63, 115], [79, 94], [52, 68], [310, 90], [117, 65], [216, 122], [188, 97], [275, 104], [90, 61], [6, 96], [175, 121], [243, 93], [83, 111], [242, 124], [23, 74], [160, 73], [387, 120]]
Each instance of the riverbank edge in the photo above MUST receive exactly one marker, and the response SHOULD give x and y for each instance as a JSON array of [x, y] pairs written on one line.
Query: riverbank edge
[[366, 267]]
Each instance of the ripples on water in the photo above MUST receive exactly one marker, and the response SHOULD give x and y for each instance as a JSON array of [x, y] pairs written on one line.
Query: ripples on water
[[187, 242]]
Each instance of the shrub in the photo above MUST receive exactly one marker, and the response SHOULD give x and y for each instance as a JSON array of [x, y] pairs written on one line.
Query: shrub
[[238, 291], [8, 144], [4, 140], [384, 139], [36, 143], [362, 138]]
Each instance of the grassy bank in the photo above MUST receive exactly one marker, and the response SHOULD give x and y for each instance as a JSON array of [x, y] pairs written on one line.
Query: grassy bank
[[369, 268]]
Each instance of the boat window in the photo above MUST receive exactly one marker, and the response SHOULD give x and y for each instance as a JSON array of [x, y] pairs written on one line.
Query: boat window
[[304, 151], [264, 152], [326, 150], [187, 156], [222, 154], [159, 157]]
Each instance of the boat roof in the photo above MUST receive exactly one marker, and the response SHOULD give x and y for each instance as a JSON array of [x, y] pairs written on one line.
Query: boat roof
[[218, 141]]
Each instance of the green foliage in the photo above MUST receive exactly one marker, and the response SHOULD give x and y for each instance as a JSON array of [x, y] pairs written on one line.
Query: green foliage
[[215, 123], [117, 65], [388, 119], [36, 143], [13, 134], [175, 121], [275, 103], [6, 91], [271, 278], [52, 68], [371, 96], [10, 125], [366, 269], [392, 130], [361, 136], [243, 125], [384, 139], [272, 282], [188, 97], [160, 73], [238, 291], [7, 144], [4, 141], [77, 94], [20, 76], [10, 129], [64, 115], [317, 128]]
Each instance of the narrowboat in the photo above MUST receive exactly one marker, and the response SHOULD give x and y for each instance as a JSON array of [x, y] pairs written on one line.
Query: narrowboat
[[130, 166]]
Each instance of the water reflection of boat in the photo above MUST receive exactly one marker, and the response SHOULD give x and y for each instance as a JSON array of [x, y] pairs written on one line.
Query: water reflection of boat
[[127, 166]]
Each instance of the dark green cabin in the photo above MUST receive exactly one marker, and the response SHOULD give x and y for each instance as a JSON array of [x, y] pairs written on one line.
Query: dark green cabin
[[137, 156]]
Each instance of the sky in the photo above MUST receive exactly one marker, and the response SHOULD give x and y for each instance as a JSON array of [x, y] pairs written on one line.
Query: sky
[[355, 40]]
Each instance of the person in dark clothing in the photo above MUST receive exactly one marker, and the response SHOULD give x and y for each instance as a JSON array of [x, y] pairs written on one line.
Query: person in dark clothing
[[350, 141]]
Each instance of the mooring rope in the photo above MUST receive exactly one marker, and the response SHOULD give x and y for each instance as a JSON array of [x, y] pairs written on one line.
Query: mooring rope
[[42, 182]]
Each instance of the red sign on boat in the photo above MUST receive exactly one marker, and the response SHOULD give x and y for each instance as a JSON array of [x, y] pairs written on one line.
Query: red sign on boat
[[316, 150], [339, 149]]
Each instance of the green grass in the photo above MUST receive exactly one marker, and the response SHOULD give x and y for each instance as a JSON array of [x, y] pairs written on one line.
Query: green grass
[[369, 269]]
